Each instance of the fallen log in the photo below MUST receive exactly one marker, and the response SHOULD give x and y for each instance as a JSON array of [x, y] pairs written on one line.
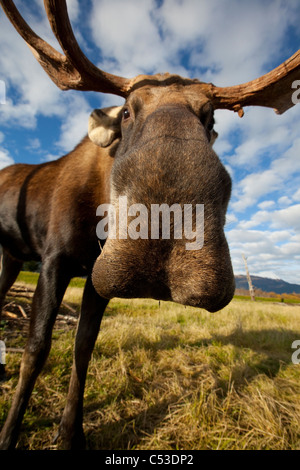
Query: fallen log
[[24, 314], [10, 314]]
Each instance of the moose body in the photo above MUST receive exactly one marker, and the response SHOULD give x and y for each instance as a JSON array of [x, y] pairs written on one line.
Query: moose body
[[155, 149], [48, 213]]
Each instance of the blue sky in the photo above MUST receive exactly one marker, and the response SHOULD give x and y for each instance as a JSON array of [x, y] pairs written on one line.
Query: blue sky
[[223, 41]]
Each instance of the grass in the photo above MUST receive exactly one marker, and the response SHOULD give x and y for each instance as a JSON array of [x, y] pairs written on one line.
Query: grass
[[166, 377], [282, 299], [74, 291], [30, 278]]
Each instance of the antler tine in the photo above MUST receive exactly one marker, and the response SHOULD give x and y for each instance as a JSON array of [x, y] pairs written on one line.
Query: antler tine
[[72, 70], [272, 90], [90, 75]]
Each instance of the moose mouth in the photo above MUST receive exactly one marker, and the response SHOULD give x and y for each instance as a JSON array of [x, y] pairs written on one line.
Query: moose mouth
[[129, 269]]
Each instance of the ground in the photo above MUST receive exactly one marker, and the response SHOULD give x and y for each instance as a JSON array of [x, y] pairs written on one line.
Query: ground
[[163, 376]]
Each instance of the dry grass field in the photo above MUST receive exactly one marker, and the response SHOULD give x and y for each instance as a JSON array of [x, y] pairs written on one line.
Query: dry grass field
[[166, 377]]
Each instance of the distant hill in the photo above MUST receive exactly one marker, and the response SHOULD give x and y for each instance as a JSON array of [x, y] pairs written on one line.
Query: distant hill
[[267, 285]]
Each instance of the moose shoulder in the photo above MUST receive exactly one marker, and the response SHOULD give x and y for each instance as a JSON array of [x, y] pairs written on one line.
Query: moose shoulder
[[155, 150]]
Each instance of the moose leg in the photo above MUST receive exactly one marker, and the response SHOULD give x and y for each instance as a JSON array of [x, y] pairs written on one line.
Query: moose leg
[[10, 268], [70, 431], [53, 281]]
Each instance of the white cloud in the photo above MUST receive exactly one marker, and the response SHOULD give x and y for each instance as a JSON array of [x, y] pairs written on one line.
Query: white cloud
[[221, 37], [29, 91], [141, 37], [266, 204], [230, 219], [284, 201], [75, 124], [296, 196], [267, 252], [280, 174], [34, 144], [230, 34], [254, 186], [49, 157], [129, 37], [5, 159], [276, 219], [288, 217], [272, 250], [73, 9]]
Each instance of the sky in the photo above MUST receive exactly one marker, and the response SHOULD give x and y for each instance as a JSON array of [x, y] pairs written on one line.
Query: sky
[[226, 42]]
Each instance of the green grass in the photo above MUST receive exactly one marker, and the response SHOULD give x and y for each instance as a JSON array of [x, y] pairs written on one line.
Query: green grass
[[28, 277], [283, 299], [32, 279], [166, 377]]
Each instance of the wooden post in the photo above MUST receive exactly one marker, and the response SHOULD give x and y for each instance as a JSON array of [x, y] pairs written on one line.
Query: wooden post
[[251, 288]]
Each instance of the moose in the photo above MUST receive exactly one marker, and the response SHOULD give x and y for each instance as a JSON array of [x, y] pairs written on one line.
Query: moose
[[155, 149]]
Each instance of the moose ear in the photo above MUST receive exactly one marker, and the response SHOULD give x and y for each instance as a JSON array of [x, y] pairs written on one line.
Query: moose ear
[[207, 119], [104, 125]]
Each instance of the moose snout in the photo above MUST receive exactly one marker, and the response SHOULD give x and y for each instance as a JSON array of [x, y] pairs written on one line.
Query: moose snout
[[202, 278], [185, 277], [212, 296]]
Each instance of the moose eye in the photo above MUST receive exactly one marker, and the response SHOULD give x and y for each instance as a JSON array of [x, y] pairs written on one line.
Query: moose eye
[[126, 113]]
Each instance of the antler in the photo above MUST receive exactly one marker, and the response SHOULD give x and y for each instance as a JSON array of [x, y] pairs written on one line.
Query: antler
[[72, 70], [273, 90]]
